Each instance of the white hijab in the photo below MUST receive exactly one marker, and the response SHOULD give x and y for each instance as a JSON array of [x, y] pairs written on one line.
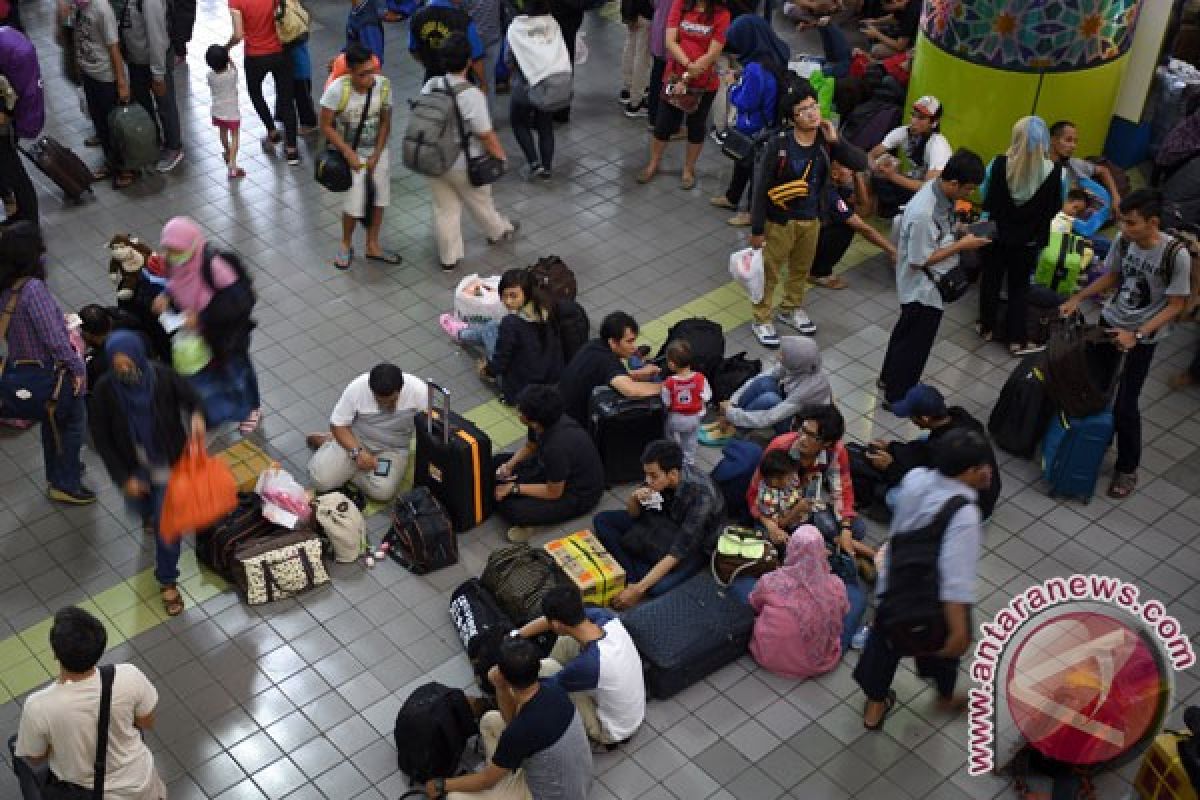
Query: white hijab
[[537, 45]]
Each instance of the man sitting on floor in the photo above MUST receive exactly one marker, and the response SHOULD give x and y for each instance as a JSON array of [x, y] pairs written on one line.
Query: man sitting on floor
[[660, 536], [596, 661]]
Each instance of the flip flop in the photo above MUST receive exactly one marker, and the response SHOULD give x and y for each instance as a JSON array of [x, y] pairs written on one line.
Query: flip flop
[[687, 181], [172, 600], [713, 439], [889, 703], [344, 256], [386, 256], [831, 282]]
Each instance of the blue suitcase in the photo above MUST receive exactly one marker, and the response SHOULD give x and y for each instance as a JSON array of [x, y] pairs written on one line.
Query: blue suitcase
[[1072, 452]]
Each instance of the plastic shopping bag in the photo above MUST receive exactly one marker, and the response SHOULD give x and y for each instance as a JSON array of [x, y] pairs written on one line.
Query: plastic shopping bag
[[189, 353], [477, 300], [746, 267], [285, 502], [200, 493]]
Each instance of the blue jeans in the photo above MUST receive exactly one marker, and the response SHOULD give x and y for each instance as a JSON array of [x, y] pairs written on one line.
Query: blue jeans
[[837, 51], [63, 469], [742, 587], [166, 555], [483, 335], [761, 394], [611, 525]]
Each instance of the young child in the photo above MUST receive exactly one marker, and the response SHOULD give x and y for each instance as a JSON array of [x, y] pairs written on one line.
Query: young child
[[780, 491], [223, 85], [1076, 204], [685, 394]]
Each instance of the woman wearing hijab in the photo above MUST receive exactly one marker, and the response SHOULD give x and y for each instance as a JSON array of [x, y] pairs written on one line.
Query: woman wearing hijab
[[771, 399], [137, 423], [801, 610], [764, 57], [214, 294], [537, 51], [1022, 192]]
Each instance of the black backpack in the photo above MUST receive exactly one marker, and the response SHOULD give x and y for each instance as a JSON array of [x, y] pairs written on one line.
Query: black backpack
[[228, 323], [432, 730], [574, 327], [481, 625], [910, 612], [733, 372], [707, 341], [421, 538], [1023, 408]]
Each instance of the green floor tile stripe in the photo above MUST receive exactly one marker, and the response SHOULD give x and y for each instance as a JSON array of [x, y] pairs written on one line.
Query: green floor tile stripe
[[132, 606]]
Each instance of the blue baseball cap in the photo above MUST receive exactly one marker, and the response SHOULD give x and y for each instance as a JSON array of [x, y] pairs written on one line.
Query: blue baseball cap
[[921, 400]]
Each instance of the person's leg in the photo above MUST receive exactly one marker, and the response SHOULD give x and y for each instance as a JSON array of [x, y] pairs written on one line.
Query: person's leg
[[63, 468], [627, 56], [306, 112], [168, 110], [854, 614], [382, 178], [447, 219], [642, 60], [666, 123], [545, 130], [907, 364], [992, 260], [139, 88], [837, 51], [757, 387], [281, 71], [479, 201], [742, 172], [519, 117], [256, 68], [832, 245], [382, 488], [894, 370], [654, 89], [100, 99], [532, 511], [682, 429], [764, 401], [330, 467], [166, 554], [1019, 269], [683, 571], [697, 129], [800, 259], [235, 139], [876, 668], [511, 786], [489, 334], [1127, 416], [775, 261], [610, 526], [942, 671]]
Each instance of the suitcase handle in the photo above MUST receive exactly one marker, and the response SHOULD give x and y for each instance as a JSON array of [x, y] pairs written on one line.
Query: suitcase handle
[[434, 392]]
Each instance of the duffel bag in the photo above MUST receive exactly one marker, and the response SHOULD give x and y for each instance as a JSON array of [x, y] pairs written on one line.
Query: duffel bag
[[519, 577], [278, 567]]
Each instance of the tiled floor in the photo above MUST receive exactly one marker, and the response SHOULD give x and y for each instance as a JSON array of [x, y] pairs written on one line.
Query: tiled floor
[[297, 699]]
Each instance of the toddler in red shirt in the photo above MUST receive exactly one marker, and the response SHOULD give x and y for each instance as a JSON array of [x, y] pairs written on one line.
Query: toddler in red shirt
[[685, 394]]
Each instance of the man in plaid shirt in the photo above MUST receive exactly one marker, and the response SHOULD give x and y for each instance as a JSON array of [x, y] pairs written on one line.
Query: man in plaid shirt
[[660, 536], [37, 332]]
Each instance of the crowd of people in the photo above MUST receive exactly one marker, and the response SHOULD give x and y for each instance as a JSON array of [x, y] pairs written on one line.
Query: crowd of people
[[800, 187]]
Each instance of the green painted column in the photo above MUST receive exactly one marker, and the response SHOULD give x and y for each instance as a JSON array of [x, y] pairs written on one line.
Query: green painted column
[[991, 62]]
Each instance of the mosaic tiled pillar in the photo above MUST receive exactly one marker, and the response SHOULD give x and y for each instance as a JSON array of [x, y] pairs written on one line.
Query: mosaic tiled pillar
[[993, 61]]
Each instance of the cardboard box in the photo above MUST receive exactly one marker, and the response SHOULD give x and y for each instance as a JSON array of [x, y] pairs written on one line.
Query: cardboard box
[[589, 566], [247, 460]]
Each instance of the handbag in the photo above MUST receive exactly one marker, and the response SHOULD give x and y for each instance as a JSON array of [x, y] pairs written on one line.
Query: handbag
[[951, 284], [291, 21], [279, 567], [200, 493], [742, 551], [737, 145], [482, 170], [677, 93], [55, 789], [29, 389], [332, 169]]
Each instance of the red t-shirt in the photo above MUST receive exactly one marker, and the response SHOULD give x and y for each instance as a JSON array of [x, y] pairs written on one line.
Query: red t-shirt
[[686, 394], [258, 25], [696, 31]]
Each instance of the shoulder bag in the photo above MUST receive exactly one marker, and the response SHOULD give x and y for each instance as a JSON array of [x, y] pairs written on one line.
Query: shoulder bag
[[951, 284], [742, 551], [482, 170], [333, 170], [291, 21], [56, 789], [29, 389]]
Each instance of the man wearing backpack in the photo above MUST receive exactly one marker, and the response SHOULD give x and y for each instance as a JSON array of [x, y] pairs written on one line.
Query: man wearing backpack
[[1151, 273], [432, 26], [927, 582], [789, 195], [146, 42]]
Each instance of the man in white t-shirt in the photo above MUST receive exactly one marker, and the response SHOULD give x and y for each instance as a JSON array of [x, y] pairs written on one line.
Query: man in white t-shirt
[[452, 191], [596, 661], [925, 152], [369, 433], [59, 723], [341, 111]]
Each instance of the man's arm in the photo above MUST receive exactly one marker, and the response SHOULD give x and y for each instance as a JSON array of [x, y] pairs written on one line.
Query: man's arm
[[534, 628], [539, 491], [239, 32], [633, 594], [872, 235], [344, 436], [968, 242], [958, 631], [1108, 280], [1105, 176], [144, 723], [330, 131], [480, 781], [118, 65], [154, 13], [626, 386]]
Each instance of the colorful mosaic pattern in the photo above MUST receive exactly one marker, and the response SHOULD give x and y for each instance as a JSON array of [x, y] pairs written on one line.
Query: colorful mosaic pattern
[[1032, 35]]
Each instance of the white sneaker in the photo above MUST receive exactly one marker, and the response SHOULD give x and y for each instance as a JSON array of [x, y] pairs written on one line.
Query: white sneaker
[[765, 333], [796, 318]]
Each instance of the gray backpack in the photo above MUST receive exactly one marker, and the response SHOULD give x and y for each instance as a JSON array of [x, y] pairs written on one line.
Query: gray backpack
[[552, 93], [431, 138]]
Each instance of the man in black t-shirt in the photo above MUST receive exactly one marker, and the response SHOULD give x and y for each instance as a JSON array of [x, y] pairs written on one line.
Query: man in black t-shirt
[[896, 32], [839, 225], [598, 363], [557, 475], [535, 744]]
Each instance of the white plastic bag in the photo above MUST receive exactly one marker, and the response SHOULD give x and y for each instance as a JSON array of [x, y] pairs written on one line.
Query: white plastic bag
[[746, 267], [285, 502], [477, 300]]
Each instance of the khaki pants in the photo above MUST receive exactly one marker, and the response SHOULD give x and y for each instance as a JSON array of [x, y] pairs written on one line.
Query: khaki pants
[[636, 60], [566, 649], [789, 247], [451, 192], [512, 786], [331, 467]]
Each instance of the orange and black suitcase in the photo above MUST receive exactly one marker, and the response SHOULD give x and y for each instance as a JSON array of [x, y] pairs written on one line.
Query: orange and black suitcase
[[454, 461]]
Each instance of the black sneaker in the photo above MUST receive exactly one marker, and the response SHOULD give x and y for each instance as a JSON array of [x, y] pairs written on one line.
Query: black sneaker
[[82, 496], [623, 97], [634, 110]]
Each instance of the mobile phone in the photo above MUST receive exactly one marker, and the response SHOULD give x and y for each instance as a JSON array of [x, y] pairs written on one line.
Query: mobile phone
[[984, 230], [382, 467]]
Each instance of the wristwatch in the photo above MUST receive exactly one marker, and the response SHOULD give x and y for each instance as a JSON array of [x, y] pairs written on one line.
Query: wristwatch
[[1138, 335], [439, 786], [354, 453], [516, 490]]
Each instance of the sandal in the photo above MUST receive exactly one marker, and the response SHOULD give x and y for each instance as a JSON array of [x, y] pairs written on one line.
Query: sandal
[[386, 256], [830, 282], [1122, 485], [344, 256], [123, 179], [715, 438], [983, 332], [172, 600], [889, 703], [688, 181], [237, 173], [250, 424]]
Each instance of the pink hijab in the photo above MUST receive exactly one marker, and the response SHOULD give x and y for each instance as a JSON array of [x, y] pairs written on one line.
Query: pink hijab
[[800, 609], [186, 283]]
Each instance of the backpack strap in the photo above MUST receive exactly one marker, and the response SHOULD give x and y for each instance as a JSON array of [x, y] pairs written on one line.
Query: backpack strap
[[107, 676], [941, 520], [344, 100]]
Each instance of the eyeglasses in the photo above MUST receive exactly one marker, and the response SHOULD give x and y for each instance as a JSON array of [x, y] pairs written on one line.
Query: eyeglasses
[[809, 434], [809, 109]]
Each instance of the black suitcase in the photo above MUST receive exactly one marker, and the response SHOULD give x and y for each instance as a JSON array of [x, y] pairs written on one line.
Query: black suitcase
[[454, 461], [60, 164], [482, 626], [1023, 408], [217, 546], [421, 539], [621, 427], [688, 633]]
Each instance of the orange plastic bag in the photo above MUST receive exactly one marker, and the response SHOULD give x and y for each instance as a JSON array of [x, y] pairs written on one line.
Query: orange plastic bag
[[200, 492]]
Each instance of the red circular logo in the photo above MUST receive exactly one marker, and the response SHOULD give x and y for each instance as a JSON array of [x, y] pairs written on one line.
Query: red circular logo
[[1086, 688]]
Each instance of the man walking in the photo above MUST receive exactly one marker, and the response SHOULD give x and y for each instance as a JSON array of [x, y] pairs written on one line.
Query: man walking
[[144, 30]]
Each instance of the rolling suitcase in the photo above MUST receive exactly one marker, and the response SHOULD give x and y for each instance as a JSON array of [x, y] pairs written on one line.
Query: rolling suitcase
[[61, 165], [688, 633], [454, 461], [621, 427], [1023, 408], [1072, 451]]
